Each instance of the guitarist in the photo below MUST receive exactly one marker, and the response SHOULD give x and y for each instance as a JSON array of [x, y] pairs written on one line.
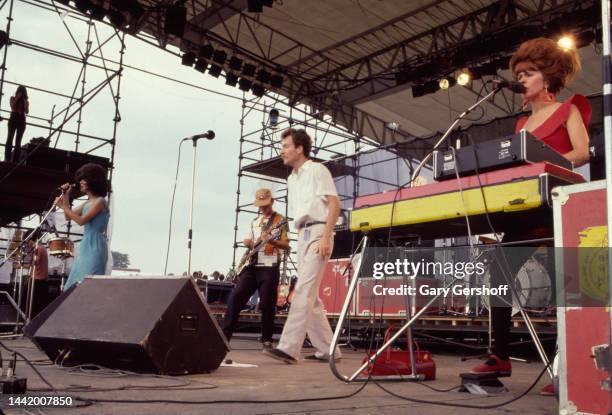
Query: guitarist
[[263, 273]]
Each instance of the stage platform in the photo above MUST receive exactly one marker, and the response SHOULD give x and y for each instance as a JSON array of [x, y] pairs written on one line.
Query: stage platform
[[270, 380]]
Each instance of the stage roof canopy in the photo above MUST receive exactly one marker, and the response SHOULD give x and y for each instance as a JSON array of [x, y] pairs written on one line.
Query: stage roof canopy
[[368, 63]]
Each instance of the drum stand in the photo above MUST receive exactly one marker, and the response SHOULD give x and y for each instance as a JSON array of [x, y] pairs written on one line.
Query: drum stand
[[355, 377]]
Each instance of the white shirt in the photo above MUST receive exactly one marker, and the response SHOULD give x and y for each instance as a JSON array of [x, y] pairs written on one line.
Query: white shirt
[[308, 188]]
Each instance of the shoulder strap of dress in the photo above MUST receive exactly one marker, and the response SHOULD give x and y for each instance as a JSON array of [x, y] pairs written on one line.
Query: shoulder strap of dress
[[560, 116]]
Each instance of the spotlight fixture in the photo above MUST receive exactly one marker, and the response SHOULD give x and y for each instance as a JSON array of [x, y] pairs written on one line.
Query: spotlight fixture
[[447, 82], [258, 90], [231, 79], [248, 69], [274, 114], [117, 19], [566, 43], [263, 76], [214, 70], [255, 6], [201, 65], [206, 51], [235, 63], [83, 5], [423, 89], [3, 38], [276, 81], [464, 78], [175, 20], [98, 12], [220, 56], [244, 84], [129, 6], [188, 58]]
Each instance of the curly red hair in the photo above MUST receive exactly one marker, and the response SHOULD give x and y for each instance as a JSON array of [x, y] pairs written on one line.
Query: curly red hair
[[558, 66]]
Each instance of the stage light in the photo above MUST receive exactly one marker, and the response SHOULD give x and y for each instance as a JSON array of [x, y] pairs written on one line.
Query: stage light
[[201, 65], [263, 76], [83, 5], [464, 78], [220, 56], [206, 51], [447, 82], [276, 81], [235, 63], [274, 114], [244, 84], [255, 6], [188, 58], [116, 18], [129, 6], [98, 12], [424, 89], [175, 20], [566, 43], [231, 79], [214, 70], [248, 69], [258, 90]]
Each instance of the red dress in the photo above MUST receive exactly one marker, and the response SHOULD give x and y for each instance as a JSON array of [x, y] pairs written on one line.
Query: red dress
[[553, 131]]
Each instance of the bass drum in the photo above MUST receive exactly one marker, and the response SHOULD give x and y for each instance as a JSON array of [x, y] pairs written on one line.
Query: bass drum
[[532, 285]]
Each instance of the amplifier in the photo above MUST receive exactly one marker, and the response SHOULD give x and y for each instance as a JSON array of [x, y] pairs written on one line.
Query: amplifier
[[517, 149]]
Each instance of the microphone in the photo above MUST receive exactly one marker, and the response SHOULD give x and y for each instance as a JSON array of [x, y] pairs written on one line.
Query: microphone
[[511, 85], [71, 186], [210, 134]]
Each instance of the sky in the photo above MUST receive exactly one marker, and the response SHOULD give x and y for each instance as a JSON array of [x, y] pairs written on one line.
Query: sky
[[155, 114]]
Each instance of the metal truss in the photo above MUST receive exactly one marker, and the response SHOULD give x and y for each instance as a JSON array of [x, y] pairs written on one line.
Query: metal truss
[[334, 80]]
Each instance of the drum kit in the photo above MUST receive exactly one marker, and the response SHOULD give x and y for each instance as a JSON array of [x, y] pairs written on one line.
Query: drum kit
[[21, 254]]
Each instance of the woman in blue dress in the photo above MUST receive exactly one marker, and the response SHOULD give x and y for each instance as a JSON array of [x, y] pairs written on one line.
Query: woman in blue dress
[[93, 215]]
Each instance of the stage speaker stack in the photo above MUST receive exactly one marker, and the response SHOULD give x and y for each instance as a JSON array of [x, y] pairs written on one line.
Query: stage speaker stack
[[149, 325]]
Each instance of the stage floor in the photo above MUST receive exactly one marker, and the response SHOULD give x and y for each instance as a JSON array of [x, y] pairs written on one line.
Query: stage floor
[[272, 380]]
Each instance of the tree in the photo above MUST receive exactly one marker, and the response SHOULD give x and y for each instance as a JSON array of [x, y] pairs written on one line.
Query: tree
[[120, 260]]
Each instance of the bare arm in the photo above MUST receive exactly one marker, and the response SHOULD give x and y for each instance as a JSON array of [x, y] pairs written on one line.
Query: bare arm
[[27, 107], [579, 137], [97, 207]]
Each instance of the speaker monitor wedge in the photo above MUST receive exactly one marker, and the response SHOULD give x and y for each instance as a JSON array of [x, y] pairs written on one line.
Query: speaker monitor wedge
[[143, 324]]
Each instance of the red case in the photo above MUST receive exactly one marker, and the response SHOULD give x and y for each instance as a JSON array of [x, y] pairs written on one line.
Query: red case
[[396, 362], [580, 221], [334, 285]]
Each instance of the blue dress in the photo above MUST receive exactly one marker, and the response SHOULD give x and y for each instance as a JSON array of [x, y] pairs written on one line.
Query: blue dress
[[93, 250]]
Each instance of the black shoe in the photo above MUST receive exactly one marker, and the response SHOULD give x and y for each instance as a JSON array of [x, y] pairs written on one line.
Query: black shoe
[[280, 355], [314, 358], [267, 345]]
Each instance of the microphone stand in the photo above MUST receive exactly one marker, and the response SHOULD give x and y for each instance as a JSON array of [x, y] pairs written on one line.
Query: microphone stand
[[190, 231], [448, 131]]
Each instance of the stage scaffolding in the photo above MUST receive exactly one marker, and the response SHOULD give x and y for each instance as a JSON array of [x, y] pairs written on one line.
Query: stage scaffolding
[[347, 154], [96, 49]]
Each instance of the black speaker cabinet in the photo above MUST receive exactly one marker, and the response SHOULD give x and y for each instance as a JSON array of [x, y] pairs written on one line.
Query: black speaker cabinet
[[150, 325]]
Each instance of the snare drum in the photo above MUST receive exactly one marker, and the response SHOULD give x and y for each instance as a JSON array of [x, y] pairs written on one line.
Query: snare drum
[[61, 247]]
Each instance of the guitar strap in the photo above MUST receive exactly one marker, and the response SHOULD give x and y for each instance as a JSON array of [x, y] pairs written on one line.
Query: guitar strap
[[265, 228]]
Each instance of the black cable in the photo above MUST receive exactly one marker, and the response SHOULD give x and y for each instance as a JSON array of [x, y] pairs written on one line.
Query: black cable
[[226, 401], [456, 405], [178, 163], [31, 365]]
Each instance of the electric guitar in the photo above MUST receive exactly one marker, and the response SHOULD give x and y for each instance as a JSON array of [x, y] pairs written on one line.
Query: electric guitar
[[274, 233]]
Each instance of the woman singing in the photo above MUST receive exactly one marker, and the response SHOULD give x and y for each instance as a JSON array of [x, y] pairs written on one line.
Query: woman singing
[[20, 106], [94, 215], [544, 69]]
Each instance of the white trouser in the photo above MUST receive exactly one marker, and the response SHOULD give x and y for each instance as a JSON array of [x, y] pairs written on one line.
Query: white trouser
[[306, 315]]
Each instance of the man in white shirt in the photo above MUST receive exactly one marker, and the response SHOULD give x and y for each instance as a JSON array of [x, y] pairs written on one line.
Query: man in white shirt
[[262, 274], [314, 199]]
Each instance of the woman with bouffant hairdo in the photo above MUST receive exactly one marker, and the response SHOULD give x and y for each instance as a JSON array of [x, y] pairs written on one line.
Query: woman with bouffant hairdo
[[94, 215], [543, 68]]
